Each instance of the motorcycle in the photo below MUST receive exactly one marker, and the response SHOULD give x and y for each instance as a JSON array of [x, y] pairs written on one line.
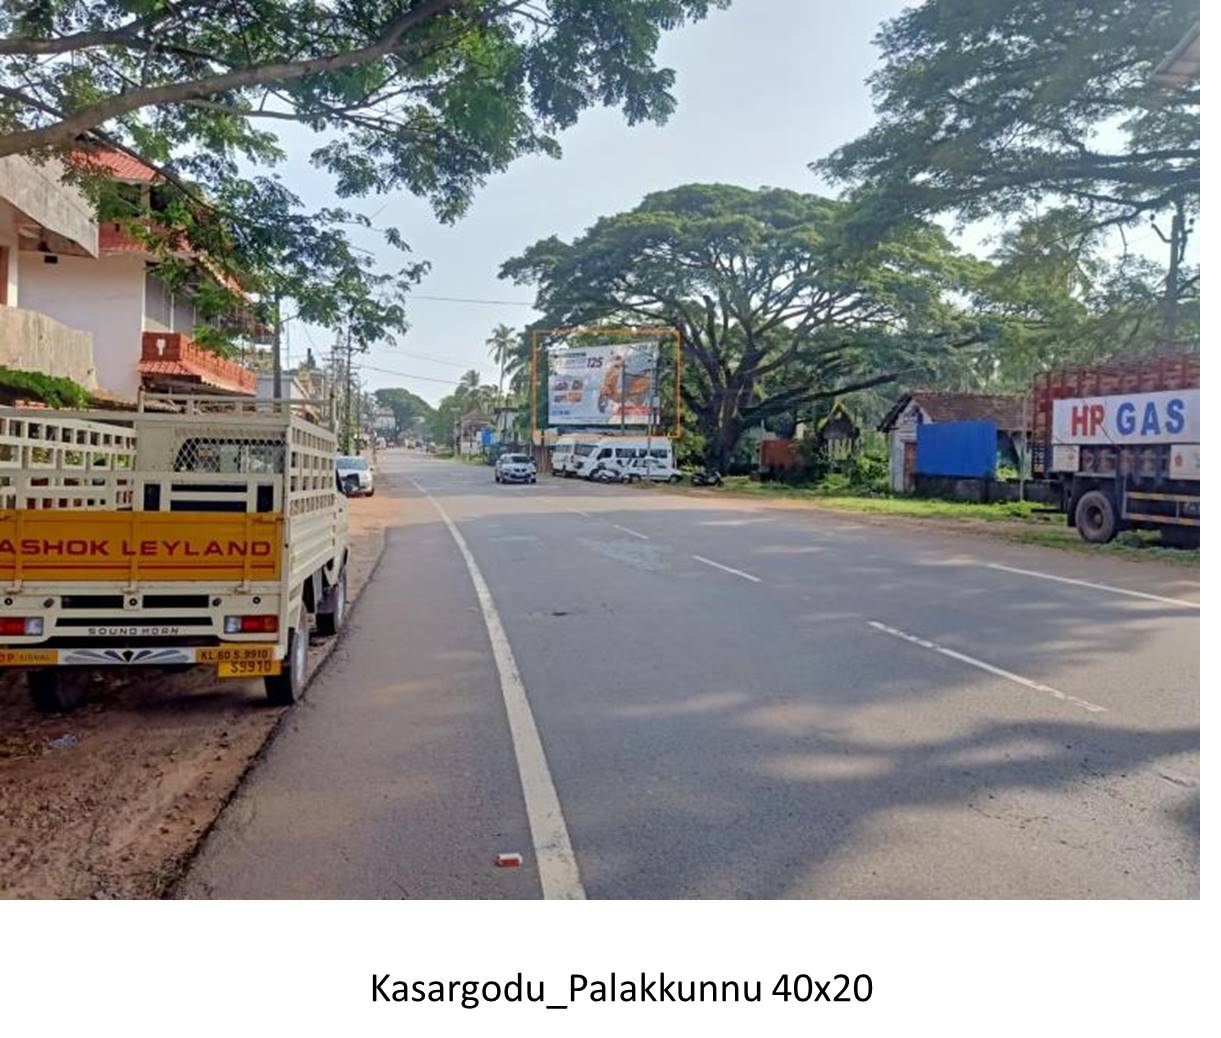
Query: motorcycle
[[708, 478], [605, 475]]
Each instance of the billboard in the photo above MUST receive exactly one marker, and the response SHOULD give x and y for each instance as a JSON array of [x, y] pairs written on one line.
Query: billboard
[[1172, 416], [603, 385]]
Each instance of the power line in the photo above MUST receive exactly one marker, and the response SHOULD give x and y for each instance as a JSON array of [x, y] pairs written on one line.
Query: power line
[[407, 374], [461, 299]]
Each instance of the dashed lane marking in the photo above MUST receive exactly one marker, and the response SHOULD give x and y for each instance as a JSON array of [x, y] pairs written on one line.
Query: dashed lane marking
[[1095, 587], [727, 569], [634, 533], [971, 661]]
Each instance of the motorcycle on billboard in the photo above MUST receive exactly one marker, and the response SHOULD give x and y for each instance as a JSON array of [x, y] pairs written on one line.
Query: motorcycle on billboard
[[603, 385]]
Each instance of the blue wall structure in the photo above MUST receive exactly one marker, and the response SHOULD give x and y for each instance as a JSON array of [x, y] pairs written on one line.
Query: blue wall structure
[[956, 449]]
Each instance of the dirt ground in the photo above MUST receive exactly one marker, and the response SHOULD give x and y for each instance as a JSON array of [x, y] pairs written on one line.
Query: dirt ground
[[111, 800]]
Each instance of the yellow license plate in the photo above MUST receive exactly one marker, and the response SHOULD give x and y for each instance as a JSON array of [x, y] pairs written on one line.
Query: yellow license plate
[[28, 657], [235, 653], [247, 668]]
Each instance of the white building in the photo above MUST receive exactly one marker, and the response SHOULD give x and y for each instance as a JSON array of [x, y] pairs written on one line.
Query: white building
[[40, 216]]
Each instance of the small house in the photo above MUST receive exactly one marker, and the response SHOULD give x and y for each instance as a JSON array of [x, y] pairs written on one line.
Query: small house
[[919, 407]]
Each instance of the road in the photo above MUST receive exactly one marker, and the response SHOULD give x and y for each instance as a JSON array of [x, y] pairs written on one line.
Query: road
[[674, 696]]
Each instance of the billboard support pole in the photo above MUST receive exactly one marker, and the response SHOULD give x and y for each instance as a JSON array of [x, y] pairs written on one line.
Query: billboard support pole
[[533, 387], [678, 384]]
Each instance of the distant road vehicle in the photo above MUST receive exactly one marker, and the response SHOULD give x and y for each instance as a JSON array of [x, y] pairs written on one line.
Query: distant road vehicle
[[515, 468], [638, 469], [355, 476], [1122, 441], [570, 450], [618, 450]]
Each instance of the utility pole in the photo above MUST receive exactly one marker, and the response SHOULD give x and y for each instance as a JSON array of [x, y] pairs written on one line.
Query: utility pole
[[347, 392], [277, 373], [1177, 240]]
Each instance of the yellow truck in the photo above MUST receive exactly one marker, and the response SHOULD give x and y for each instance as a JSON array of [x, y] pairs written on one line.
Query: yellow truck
[[194, 531]]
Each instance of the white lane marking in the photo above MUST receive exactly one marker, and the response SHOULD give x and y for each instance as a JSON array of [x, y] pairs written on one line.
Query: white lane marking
[[727, 569], [557, 864], [735, 522], [634, 533], [577, 511], [962, 657], [1095, 587]]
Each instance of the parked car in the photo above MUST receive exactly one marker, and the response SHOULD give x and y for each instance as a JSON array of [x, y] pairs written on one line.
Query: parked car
[[651, 468], [515, 468], [355, 476]]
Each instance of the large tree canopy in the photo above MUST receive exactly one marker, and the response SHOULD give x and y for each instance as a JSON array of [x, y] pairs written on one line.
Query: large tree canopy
[[430, 96], [777, 306], [986, 105]]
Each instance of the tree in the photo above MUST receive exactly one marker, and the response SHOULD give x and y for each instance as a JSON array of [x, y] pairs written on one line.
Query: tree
[[985, 108], [1055, 297], [504, 349], [776, 306], [408, 408], [430, 96]]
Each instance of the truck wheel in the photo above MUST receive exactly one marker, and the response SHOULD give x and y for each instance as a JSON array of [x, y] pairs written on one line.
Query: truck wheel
[[288, 686], [334, 608], [1096, 518], [54, 692]]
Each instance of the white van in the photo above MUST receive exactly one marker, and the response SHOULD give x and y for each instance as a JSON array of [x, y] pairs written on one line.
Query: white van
[[570, 449], [615, 451]]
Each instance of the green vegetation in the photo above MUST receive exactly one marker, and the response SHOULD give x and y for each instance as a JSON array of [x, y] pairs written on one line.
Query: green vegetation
[[779, 306], [430, 97], [1022, 521], [52, 390]]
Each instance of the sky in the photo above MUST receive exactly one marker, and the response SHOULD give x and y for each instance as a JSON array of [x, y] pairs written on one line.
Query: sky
[[763, 89]]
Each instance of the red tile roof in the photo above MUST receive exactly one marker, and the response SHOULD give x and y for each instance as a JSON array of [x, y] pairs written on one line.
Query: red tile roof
[[119, 164], [1005, 409], [174, 355]]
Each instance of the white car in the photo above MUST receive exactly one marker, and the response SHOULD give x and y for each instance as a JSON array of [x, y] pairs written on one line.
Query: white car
[[355, 475], [650, 468], [515, 468]]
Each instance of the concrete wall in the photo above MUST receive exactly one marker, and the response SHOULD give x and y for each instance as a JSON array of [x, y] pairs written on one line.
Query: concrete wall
[[953, 488], [32, 341], [36, 189], [10, 241], [104, 296]]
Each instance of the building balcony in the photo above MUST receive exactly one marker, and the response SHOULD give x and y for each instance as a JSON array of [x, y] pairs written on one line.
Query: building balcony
[[171, 362], [32, 341]]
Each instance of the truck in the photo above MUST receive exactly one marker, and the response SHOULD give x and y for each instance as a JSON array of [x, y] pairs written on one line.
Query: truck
[[1121, 441], [193, 531]]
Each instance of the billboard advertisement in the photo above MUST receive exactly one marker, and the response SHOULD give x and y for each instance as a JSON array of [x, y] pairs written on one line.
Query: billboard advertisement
[[1171, 416], [603, 385]]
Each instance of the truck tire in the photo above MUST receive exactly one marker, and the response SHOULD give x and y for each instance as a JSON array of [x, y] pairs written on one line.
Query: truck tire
[[1097, 520], [54, 692], [334, 608], [287, 687]]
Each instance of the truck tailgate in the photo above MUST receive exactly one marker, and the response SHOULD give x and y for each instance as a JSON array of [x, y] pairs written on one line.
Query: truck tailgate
[[46, 545]]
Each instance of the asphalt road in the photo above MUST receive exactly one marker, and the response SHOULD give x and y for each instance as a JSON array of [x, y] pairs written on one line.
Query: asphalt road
[[700, 698]]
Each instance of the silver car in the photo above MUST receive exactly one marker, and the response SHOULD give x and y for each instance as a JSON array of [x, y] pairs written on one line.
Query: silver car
[[515, 468]]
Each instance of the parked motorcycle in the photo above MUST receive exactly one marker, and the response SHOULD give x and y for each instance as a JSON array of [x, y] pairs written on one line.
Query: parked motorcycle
[[605, 475], [708, 478]]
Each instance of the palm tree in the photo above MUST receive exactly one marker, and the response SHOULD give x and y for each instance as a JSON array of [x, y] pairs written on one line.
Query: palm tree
[[501, 346]]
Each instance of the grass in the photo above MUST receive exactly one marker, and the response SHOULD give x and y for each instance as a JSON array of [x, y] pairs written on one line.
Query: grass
[[1025, 522]]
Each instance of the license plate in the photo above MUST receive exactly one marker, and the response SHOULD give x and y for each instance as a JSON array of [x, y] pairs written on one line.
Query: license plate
[[235, 653], [28, 657], [247, 668]]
